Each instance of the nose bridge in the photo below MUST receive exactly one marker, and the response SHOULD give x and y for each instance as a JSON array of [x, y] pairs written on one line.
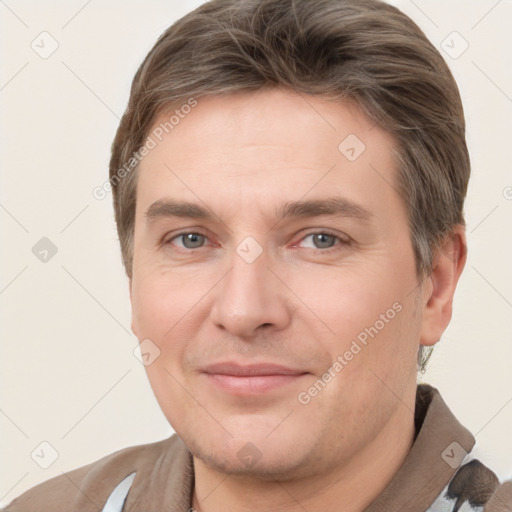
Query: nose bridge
[[249, 295], [246, 286]]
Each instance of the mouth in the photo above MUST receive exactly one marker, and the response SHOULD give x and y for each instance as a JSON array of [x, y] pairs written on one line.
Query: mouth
[[251, 379]]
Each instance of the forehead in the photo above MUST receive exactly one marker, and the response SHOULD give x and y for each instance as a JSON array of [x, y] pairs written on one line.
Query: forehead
[[251, 148], [267, 117]]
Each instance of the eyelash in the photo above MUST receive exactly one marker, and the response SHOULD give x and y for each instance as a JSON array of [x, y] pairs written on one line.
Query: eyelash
[[342, 241]]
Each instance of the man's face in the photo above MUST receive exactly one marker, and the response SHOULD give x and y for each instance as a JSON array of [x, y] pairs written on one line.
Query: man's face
[[252, 303]]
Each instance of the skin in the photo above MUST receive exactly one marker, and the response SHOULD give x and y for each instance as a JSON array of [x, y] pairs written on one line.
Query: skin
[[301, 303]]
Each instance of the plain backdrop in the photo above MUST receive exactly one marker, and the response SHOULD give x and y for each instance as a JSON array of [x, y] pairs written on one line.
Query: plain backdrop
[[69, 376]]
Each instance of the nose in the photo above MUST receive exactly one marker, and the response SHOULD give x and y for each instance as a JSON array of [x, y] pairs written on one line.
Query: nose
[[250, 298]]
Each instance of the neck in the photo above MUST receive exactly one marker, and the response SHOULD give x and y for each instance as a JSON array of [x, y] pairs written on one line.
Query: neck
[[350, 488]]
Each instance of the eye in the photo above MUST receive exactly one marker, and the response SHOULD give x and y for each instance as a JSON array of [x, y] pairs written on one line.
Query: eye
[[324, 240], [319, 240], [188, 240]]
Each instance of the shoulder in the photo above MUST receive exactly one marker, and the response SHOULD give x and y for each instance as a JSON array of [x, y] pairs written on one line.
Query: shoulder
[[475, 485], [88, 488], [501, 499]]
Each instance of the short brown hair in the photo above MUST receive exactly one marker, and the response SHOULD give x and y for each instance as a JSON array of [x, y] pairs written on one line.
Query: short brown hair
[[363, 50]]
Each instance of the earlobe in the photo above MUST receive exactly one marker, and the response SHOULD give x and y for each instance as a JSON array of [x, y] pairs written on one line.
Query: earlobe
[[449, 262]]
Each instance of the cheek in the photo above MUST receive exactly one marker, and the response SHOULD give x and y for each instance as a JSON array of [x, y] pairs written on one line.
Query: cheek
[[347, 301], [161, 317], [147, 308], [373, 366], [158, 303], [170, 315], [373, 323]]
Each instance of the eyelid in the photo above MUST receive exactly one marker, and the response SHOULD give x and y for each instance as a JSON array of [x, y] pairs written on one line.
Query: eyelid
[[341, 237], [167, 240]]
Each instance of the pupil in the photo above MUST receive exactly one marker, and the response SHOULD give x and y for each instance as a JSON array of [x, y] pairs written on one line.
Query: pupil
[[192, 239], [324, 240]]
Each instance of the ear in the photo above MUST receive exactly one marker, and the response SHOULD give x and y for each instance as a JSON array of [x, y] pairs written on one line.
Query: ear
[[439, 286]]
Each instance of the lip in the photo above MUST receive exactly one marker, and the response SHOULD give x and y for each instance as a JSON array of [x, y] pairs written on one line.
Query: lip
[[251, 379]]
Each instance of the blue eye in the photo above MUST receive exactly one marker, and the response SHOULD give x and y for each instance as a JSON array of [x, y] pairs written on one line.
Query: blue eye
[[324, 240], [320, 240], [190, 240]]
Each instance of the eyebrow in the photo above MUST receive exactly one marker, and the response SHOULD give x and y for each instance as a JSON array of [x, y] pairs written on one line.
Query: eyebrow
[[333, 206]]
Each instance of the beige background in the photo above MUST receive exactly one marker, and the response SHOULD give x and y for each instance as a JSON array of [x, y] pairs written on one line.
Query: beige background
[[68, 373]]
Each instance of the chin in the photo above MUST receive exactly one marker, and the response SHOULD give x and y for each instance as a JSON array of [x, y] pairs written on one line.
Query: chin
[[265, 469], [251, 455]]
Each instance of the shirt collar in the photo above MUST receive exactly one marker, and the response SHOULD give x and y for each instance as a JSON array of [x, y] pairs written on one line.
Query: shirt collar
[[441, 444]]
